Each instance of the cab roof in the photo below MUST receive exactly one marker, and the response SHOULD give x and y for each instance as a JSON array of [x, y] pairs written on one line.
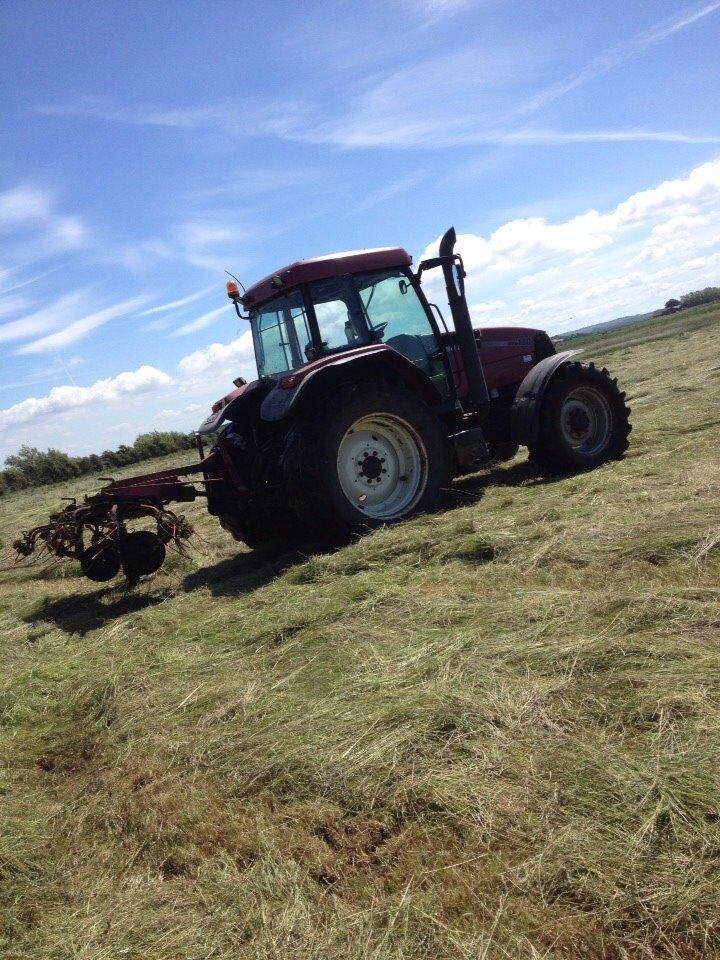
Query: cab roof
[[320, 268]]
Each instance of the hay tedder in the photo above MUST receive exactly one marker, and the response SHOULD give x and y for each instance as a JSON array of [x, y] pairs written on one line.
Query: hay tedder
[[366, 405]]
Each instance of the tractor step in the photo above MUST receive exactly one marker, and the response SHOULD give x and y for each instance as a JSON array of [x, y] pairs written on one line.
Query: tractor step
[[470, 448]]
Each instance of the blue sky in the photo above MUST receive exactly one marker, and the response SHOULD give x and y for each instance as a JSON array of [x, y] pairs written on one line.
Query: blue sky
[[147, 147]]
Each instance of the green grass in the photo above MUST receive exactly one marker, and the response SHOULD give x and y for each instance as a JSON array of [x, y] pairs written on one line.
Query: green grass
[[492, 732]]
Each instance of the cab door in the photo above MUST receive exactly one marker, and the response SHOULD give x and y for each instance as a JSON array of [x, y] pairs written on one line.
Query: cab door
[[396, 316]]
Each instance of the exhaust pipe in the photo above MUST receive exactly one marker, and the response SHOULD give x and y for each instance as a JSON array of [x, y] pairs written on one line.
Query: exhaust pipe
[[454, 276]]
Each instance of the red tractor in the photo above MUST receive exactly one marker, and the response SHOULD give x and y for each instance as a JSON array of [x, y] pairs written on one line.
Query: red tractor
[[366, 405]]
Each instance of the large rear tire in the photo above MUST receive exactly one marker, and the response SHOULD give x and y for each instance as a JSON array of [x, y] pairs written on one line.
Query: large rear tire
[[584, 421], [362, 457]]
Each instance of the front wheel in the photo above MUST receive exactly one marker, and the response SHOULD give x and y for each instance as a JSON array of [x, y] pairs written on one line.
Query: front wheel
[[368, 455], [584, 421]]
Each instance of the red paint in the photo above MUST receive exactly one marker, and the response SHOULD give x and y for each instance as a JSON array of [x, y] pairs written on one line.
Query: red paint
[[502, 350], [320, 268], [163, 486]]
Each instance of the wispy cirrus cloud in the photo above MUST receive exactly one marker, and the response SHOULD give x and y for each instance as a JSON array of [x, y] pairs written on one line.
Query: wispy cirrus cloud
[[408, 107], [32, 230], [390, 190], [23, 204], [614, 56], [58, 313], [81, 327], [433, 11], [208, 241], [12, 304], [28, 210], [257, 115], [176, 304], [204, 320], [254, 181]]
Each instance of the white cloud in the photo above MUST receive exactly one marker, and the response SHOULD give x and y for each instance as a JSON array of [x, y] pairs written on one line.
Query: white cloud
[[22, 204], [659, 242], [61, 400], [80, 328], [236, 358], [204, 320], [143, 254], [520, 243], [32, 229], [208, 242]]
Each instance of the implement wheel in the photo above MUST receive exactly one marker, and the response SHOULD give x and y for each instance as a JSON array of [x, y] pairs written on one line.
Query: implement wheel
[[367, 455], [583, 421]]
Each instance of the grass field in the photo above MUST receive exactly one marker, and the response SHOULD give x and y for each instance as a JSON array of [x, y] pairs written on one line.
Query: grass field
[[489, 733]]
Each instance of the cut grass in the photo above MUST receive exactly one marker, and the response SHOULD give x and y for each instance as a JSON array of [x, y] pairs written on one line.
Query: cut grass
[[492, 732]]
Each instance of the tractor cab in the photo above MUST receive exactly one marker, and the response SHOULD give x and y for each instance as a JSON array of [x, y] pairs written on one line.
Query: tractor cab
[[329, 305]]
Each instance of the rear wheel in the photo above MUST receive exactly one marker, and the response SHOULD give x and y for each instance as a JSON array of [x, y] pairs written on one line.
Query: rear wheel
[[362, 457], [583, 421]]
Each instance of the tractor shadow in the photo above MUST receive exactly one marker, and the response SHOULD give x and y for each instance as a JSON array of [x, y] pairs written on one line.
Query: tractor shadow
[[250, 571], [87, 612], [467, 490], [234, 576], [246, 572]]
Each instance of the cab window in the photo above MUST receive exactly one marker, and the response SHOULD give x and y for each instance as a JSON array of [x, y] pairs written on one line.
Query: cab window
[[396, 316], [282, 336], [339, 321]]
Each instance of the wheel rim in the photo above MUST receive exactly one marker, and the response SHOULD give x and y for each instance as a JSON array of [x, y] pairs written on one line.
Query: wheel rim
[[382, 466], [586, 420]]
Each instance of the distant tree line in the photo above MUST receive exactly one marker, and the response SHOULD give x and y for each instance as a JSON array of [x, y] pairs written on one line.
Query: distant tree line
[[694, 299], [30, 467]]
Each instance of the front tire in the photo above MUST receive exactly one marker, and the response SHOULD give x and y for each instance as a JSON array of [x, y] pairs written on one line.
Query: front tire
[[363, 457], [584, 421]]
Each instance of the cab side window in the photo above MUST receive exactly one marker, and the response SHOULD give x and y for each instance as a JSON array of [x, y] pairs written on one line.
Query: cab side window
[[336, 312], [396, 317]]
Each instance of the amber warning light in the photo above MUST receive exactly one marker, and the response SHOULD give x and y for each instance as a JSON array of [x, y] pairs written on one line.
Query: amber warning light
[[233, 291]]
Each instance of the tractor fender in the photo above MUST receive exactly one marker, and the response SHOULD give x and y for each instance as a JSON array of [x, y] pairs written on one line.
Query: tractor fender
[[525, 414], [296, 389], [246, 396]]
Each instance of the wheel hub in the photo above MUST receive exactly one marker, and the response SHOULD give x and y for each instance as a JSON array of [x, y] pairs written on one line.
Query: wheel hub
[[371, 467], [586, 420], [578, 423]]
